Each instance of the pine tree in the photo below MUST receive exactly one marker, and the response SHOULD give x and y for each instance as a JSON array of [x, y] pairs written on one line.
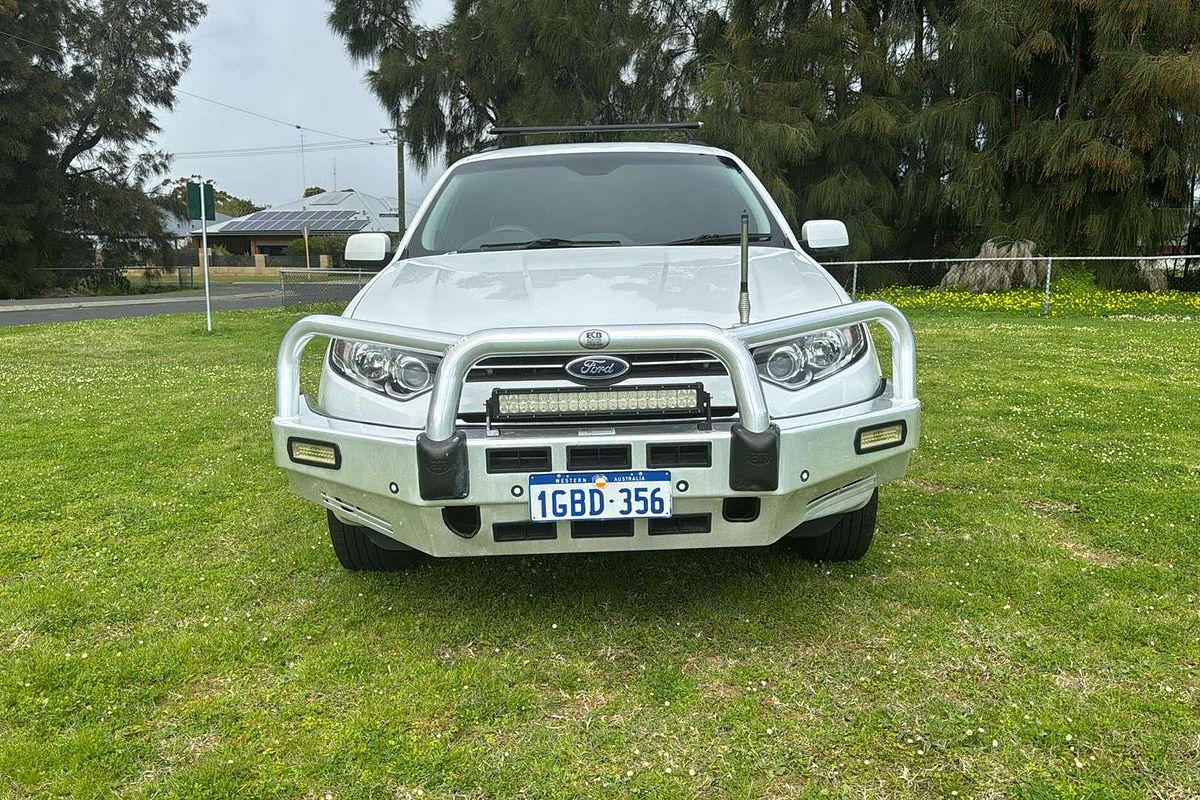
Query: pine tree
[[929, 126], [1070, 124], [80, 81], [516, 62]]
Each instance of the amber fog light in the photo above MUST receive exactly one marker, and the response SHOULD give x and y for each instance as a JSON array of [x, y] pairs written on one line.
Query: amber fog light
[[880, 437], [316, 454]]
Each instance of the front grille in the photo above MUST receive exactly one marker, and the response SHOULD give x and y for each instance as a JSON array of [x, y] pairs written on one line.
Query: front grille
[[601, 528], [688, 454], [680, 523], [518, 459], [552, 368], [523, 531], [601, 457]]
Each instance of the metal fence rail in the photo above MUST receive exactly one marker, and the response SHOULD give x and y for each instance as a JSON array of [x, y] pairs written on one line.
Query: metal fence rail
[[304, 287], [1042, 274], [1177, 272]]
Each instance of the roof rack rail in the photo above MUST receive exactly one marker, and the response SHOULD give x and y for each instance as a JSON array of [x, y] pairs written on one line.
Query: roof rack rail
[[504, 132]]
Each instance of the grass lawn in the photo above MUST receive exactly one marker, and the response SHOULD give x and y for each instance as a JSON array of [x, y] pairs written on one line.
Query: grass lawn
[[173, 622]]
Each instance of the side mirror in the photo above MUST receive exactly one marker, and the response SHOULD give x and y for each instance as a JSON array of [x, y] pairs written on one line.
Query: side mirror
[[371, 250], [825, 236]]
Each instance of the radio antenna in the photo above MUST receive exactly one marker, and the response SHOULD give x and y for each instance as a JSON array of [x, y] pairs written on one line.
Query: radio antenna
[[744, 292]]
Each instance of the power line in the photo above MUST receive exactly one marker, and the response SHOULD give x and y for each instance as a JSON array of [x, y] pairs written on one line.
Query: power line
[[220, 151], [205, 99], [269, 118], [320, 147]]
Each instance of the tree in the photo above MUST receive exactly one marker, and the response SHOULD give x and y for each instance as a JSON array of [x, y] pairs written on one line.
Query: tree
[[174, 199], [526, 61], [929, 126], [1070, 124], [314, 190], [82, 80], [333, 245], [235, 206]]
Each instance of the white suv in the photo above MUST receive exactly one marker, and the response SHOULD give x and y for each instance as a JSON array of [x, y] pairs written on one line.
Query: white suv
[[616, 346]]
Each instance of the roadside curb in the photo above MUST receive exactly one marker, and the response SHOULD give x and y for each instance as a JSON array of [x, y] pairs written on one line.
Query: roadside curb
[[138, 301]]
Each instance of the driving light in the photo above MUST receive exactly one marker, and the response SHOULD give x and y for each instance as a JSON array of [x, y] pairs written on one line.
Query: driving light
[[411, 373], [371, 361], [387, 370], [785, 363], [797, 363], [626, 402], [880, 437], [825, 349], [313, 453]]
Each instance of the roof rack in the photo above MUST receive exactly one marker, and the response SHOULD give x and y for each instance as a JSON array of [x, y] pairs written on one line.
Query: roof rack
[[687, 128]]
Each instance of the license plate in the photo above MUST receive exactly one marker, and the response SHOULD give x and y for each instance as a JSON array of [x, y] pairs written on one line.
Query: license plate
[[599, 495]]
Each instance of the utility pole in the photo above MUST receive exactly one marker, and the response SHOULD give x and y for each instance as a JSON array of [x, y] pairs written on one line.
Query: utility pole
[[204, 245], [303, 170], [201, 206], [400, 205]]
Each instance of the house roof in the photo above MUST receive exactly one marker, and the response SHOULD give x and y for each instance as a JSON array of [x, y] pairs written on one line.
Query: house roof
[[338, 212], [180, 228]]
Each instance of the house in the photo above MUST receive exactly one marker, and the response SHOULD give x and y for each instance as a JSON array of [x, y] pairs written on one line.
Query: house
[[336, 213], [179, 230]]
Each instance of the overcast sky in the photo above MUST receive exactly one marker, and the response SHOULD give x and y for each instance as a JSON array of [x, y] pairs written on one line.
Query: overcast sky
[[279, 58]]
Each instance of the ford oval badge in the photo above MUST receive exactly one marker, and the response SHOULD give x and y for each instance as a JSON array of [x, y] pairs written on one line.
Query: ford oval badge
[[597, 369]]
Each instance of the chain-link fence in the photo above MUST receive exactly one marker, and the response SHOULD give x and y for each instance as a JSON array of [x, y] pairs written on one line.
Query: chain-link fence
[[1048, 275], [303, 287]]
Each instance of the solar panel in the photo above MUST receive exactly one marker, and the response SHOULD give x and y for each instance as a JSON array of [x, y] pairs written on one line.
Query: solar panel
[[294, 222], [331, 199]]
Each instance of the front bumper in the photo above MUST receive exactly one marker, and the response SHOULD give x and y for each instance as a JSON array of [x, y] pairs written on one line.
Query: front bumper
[[397, 481]]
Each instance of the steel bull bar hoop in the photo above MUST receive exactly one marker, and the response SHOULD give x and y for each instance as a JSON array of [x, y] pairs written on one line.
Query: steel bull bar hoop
[[287, 365], [442, 450], [904, 348]]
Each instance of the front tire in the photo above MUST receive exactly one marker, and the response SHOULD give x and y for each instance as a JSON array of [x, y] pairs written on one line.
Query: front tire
[[357, 551], [848, 539]]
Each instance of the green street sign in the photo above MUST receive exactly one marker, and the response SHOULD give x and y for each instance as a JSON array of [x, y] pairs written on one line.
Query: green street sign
[[193, 202]]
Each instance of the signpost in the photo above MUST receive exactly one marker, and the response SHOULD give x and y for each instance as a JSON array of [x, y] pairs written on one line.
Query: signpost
[[201, 206]]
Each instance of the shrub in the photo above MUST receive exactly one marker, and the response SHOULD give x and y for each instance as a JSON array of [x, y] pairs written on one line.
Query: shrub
[[1134, 276], [999, 276]]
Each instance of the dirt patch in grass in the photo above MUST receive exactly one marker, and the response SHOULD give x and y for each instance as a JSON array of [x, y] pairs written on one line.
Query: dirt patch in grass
[[928, 485], [1090, 555], [1049, 508]]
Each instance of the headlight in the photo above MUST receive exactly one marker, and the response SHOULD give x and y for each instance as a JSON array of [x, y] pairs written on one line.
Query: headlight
[[388, 370], [796, 363]]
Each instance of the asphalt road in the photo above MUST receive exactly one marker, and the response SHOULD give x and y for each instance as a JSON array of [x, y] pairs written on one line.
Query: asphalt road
[[225, 297]]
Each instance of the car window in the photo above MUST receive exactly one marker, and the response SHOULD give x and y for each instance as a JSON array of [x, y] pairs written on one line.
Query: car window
[[616, 198]]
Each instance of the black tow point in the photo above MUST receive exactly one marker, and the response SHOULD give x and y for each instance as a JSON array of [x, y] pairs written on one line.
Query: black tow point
[[753, 459], [442, 471]]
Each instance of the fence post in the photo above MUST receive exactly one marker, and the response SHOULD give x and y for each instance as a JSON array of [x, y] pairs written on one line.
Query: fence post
[[854, 283], [282, 298], [1046, 299]]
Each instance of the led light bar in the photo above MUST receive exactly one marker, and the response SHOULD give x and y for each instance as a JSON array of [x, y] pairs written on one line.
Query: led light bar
[[880, 437], [313, 453], [624, 402]]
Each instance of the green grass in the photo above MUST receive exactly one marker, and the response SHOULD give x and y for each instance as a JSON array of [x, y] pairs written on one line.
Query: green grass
[[173, 622]]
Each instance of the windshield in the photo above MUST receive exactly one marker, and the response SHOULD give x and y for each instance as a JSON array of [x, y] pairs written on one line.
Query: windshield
[[606, 199]]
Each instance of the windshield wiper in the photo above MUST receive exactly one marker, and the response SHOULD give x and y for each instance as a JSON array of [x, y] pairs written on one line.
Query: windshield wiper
[[721, 238], [549, 241]]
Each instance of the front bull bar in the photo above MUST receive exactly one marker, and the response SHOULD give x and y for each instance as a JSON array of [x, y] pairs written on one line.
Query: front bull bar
[[441, 448]]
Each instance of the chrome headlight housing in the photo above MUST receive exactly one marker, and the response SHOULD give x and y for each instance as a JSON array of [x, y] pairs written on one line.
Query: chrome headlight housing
[[796, 363], [388, 370]]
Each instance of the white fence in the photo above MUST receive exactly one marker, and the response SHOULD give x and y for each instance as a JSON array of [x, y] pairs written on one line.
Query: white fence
[[1037, 273], [299, 287]]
